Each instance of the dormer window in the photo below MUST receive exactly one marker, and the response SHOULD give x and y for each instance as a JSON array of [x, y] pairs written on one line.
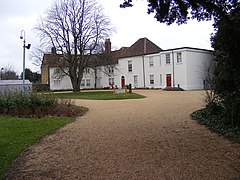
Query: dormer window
[[57, 71], [87, 70], [110, 69]]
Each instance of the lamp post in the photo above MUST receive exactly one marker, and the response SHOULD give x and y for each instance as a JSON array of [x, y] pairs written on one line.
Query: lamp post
[[22, 36], [1, 72]]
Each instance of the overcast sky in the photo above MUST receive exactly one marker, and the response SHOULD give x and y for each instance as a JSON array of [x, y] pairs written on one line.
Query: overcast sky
[[130, 24]]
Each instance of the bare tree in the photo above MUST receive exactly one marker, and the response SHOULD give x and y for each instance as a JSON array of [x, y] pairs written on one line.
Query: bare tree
[[36, 55], [74, 28], [207, 76], [8, 73], [104, 61]]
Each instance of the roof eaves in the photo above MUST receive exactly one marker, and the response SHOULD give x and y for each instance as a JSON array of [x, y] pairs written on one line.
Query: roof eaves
[[192, 48]]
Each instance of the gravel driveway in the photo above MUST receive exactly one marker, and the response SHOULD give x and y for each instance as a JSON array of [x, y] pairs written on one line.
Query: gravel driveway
[[151, 138]]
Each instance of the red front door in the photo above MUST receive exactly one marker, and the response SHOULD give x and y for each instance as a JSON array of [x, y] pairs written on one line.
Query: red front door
[[123, 81], [168, 80]]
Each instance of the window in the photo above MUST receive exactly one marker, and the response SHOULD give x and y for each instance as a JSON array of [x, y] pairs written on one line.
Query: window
[[160, 62], [179, 57], [83, 82], [129, 66], [151, 79], [87, 70], [151, 61], [160, 80], [57, 71], [135, 78], [56, 82], [111, 81], [168, 59], [87, 82], [63, 61], [110, 69]]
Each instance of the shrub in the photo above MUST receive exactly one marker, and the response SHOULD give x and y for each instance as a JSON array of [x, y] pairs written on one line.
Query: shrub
[[226, 43], [231, 109], [217, 123], [22, 104], [41, 87], [36, 105]]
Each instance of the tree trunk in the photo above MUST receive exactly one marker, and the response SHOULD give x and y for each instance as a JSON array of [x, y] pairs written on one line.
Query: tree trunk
[[76, 88], [76, 84], [95, 78]]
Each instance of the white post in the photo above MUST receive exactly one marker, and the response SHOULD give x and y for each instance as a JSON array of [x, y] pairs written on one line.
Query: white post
[[24, 42]]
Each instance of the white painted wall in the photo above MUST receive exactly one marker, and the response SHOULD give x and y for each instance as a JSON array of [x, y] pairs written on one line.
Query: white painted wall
[[186, 74], [104, 75], [165, 68], [65, 82], [195, 62], [137, 70], [59, 82], [152, 68]]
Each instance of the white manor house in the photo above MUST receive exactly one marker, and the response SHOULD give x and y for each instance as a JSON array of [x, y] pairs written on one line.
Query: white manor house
[[143, 65]]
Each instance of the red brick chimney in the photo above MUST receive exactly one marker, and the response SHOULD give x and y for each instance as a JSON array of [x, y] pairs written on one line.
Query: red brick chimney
[[108, 46]]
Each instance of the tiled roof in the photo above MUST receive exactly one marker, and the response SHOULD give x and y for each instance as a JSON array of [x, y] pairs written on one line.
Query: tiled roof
[[105, 59], [51, 59], [117, 53], [141, 47]]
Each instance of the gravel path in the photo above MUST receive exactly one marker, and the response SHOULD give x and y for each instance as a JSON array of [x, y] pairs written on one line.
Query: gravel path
[[151, 138]]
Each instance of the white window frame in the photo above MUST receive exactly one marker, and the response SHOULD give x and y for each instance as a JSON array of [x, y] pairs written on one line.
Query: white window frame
[[179, 57], [168, 58], [130, 66], [135, 80], [57, 71], [110, 69], [56, 82], [151, 63], [111, 81], [88, 82], [83, 82], [151, 78], [87, 70]]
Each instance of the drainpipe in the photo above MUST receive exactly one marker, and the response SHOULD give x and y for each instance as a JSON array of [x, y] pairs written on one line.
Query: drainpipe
[[144, 84], [173, 69]]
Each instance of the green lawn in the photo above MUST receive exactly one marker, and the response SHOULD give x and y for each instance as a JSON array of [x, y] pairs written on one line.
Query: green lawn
[[97, 95], [16, 134]]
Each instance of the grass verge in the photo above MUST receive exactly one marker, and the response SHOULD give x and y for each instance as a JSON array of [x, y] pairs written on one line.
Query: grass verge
[[216, 123], [16, 134], [97, 95]]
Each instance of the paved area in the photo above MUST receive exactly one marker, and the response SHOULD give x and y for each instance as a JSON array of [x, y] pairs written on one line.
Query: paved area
[[151, 138]]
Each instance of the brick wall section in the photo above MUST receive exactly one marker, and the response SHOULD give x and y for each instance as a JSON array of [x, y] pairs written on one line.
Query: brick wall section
[[49, 60]]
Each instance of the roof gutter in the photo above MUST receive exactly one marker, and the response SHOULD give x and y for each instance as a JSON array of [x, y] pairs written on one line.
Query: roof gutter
[[144, 83], [173, 69]]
